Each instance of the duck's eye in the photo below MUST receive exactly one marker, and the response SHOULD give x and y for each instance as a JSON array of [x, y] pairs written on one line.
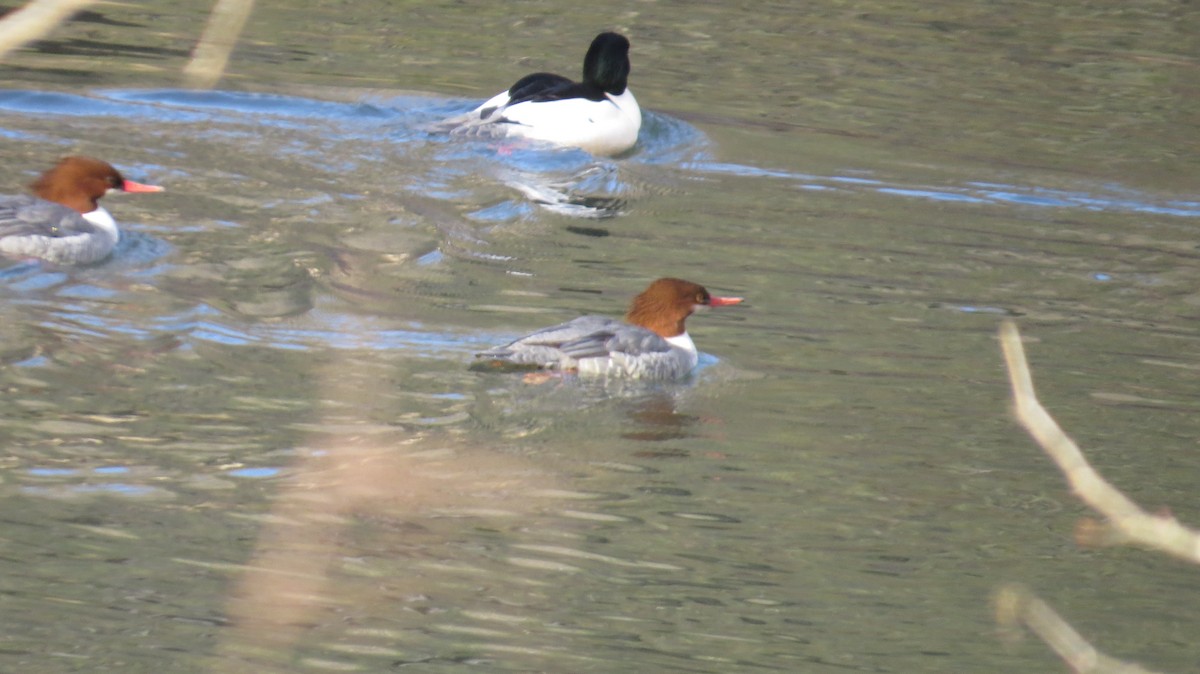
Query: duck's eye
[[701, 298]]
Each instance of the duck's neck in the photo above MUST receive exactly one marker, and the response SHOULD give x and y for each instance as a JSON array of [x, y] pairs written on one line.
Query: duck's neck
[[104, 222], [682, 341]]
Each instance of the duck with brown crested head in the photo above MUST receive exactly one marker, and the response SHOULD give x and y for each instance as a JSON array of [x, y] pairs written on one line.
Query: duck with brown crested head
[[651, 343], [62, 221]]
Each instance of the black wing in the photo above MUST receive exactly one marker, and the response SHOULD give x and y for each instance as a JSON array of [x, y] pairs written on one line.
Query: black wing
[[541, 87]]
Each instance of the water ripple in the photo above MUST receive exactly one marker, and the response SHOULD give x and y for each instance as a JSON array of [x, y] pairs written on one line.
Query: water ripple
[[1117, 199], [219, 293]]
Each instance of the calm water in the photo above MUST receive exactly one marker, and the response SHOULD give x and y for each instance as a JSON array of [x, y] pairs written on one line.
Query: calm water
[[249, 441]]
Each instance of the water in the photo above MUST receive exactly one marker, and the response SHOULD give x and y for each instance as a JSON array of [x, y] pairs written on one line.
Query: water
[[250, 441]]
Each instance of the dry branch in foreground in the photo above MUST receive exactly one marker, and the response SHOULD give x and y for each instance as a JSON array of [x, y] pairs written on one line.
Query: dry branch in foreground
[[1125, 522], [211, 54], [34, 21]]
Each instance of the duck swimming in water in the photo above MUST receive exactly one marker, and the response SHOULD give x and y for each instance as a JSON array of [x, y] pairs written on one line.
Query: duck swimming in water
[[598, 114], [62, 221], [652, 342]]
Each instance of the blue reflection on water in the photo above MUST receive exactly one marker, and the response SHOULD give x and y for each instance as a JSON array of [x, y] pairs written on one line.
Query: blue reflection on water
[[118, 488], [932, 194], [969, 309], [60, 472], [52, 472], [255, 472]]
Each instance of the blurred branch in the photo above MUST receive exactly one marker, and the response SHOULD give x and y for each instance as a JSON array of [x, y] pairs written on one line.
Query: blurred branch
[[34, 21], [1125, 522], [211, 55], [209, 59], [1016, 604]]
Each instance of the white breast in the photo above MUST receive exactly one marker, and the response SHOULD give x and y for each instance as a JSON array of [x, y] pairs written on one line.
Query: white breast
[[602, 127]]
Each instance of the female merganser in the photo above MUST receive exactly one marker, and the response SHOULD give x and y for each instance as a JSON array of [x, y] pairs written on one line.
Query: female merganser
[[62, 221], [599, 114], [651, 344]]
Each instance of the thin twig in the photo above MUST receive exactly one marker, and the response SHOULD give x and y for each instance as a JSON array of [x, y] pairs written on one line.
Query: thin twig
[[1126, 522]]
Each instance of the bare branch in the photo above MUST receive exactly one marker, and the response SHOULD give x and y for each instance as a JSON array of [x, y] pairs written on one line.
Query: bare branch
[[1128, 522], [34, 21]]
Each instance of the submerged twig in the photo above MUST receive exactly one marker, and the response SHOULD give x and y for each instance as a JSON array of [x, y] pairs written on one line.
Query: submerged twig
[[34, 21], [1125, 521], [1016, 604]]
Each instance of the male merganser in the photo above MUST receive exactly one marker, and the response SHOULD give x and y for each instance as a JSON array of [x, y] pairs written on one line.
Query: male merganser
[[599, 114], [62, 221], [652, 343]]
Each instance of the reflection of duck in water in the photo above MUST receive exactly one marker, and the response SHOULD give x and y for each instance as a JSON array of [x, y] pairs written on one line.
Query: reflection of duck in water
[[62, 221], [652, 344], [598, 114]]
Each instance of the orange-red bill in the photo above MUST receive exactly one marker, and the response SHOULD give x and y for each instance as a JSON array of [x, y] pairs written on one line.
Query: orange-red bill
[[714, 301], [131, 186]]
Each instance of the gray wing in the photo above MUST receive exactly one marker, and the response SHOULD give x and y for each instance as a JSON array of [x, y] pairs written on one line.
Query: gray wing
[[485, 121], [554, 337], [474, 127], [488, 123], [27, 215], [563, 345], [630, 340]]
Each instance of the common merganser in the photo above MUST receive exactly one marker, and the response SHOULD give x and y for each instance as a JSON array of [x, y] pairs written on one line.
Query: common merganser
[[61, 221], [652, 343], [599, 114]]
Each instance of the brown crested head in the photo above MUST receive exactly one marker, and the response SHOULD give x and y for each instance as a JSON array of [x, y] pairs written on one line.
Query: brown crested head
[[78, 182], [666, 303]]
